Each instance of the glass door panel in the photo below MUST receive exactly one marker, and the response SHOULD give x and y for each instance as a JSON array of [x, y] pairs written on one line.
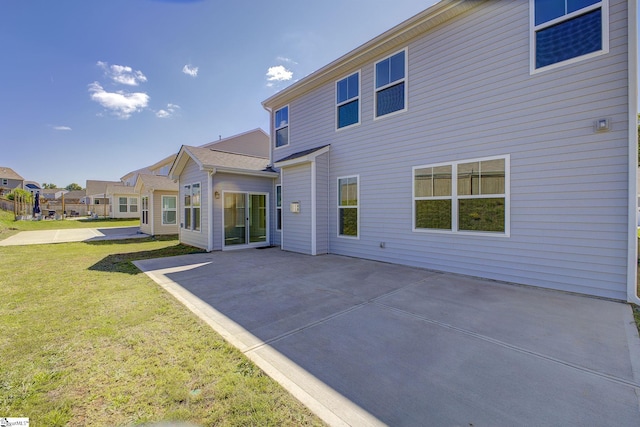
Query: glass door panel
[[234, 219], [257, 218]]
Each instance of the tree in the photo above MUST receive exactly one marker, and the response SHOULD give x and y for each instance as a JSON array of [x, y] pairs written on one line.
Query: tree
[[73, 186], [49, 185]]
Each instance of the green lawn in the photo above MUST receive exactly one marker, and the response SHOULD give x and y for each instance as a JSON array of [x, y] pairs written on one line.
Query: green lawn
[[89, 340], [9, 227]]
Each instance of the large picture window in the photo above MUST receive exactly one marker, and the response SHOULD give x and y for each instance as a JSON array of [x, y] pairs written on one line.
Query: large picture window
[[348, 101], [281, 126], [567, 30], [348, 212], [169, 210], [390, 90], [466, 196]]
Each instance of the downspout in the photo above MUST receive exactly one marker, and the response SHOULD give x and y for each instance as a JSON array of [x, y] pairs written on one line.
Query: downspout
[[210, 210], [314, 220], [632, 64], [153, 211]]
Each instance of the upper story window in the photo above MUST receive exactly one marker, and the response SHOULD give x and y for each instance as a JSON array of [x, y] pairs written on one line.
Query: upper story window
[[348, 101], [391, 77], [281, 126], [567, 30]]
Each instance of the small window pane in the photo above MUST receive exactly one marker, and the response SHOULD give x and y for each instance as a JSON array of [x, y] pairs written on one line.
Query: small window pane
[[575, 5], [348, 189], [469, 179], [430, 182], [122, 200], [169, 217], [481, 214], [133, 208], [282, 117], [133, 201], [382, 73], [352, 86], [434, 214], [282, 137], [492, 177], [195, 192], [123, 208], [569, 39], [547, 10], [196, 218], [187, 218], [278, 195], [168, 202], [390, 99], [348, 221], [397, 67], [348, 114], [343, 91]]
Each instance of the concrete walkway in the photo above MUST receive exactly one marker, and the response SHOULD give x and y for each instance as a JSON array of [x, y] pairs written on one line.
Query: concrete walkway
[[72, 235], [367, 343]]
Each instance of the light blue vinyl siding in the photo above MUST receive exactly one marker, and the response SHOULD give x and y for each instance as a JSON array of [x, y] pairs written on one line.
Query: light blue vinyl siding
[[192, 174], [470, 95], [296, 227]]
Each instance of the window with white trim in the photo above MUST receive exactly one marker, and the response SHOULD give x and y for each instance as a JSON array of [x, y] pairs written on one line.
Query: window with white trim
[[133, 204], [279, 207], [169, 210], [564, 31], [145, 210], [390, 84], [281, 126], [191, 200], [5, 181], [348, 211], [465, 196], [122, 204], [348, 101]]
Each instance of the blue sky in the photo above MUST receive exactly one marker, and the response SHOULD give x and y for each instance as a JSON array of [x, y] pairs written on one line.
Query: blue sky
[[96, 89]]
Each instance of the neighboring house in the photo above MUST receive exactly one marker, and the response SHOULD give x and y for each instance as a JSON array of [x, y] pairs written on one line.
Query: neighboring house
[[9, 180], [52, 193], [75, 196], [32, 187], [491, 139], [130, 178], [225, 191], [124, 201], [158, 204], [96, 192], [162, 167]]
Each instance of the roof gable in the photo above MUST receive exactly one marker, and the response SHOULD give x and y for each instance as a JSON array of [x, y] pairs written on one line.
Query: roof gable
[[9, 173]]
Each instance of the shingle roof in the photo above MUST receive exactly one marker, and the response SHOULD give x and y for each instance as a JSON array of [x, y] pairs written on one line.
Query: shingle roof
[[9, 173], [221, 159], [301, 153], [157, 182], [120, 189]]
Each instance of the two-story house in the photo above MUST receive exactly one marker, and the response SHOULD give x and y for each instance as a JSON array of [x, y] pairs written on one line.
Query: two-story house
[[491, 139], [9, 180]]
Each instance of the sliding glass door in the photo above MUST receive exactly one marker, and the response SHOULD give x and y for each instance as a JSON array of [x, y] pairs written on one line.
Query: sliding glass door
[[245, 219]]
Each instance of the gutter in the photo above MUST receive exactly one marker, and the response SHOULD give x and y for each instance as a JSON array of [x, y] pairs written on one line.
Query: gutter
[[632, 82]]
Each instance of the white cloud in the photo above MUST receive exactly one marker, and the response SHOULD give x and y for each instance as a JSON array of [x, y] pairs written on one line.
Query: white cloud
[[169, 112], [61, 128], [285, 59], [278, 73], [122, 74], [122, 104], [190, 70]]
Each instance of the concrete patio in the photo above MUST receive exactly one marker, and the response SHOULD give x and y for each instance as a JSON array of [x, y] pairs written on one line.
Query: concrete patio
[[368, 343]]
